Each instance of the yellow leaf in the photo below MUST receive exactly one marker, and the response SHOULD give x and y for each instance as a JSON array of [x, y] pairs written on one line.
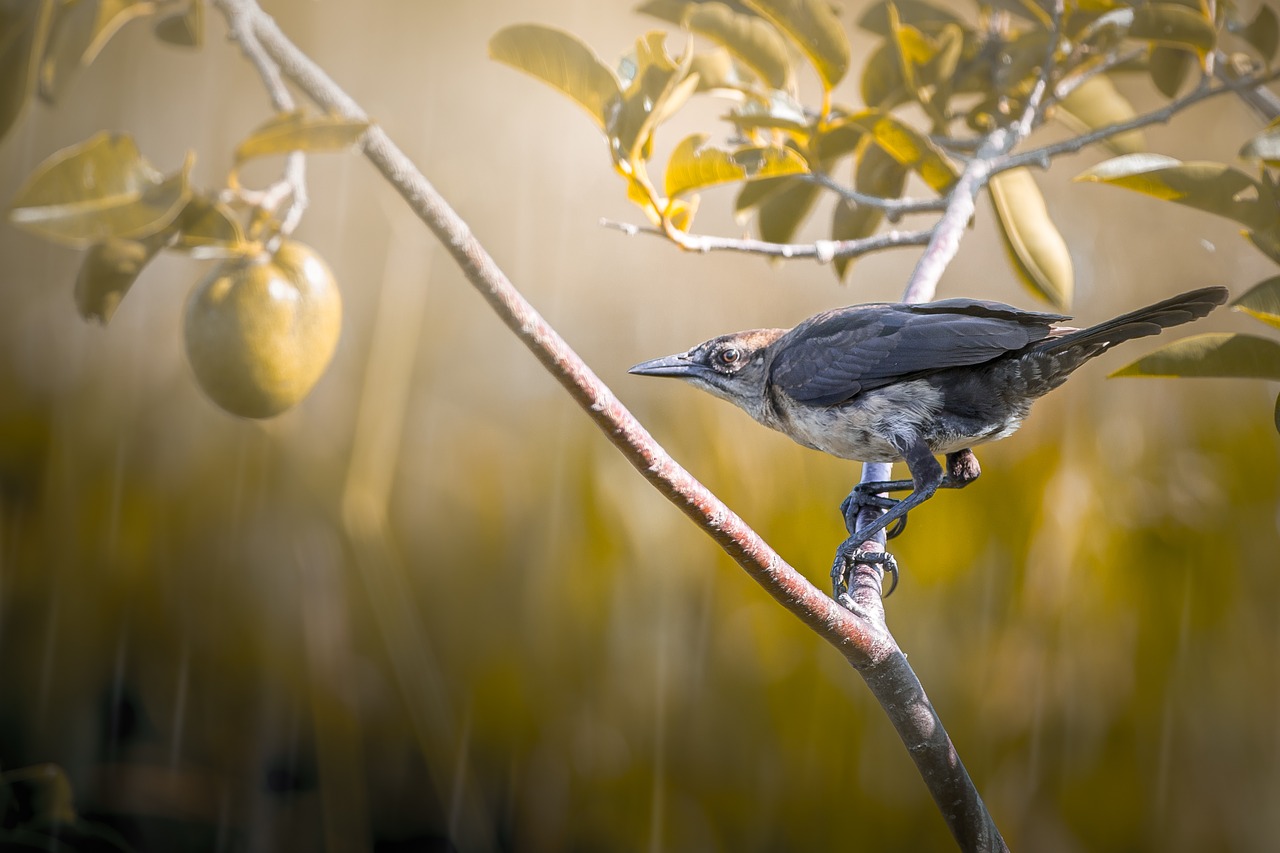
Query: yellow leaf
[[560, 60], [1222, 355], [1095, 104], [300, 131], [1040, 255], [25, 30], [752, 39], [815, 28], [1211, 187], [112, 15], [1262, 301]]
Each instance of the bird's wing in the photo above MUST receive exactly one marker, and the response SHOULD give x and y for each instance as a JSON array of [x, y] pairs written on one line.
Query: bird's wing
[[832, 357]]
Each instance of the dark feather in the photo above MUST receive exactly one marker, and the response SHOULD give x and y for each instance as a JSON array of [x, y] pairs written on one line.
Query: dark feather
[[835, 356]]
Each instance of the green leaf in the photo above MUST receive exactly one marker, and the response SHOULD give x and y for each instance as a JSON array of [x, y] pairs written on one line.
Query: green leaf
[[1265, 146], [912, 149], [561, 61], [112, 16], [1169, 68], [756, 193], [839, 138], [1211, 187], [108, 271], [1277, 415], [184, 28], [1096, 104], [695, 165], [882, 85], [1175, 25], [1040, 255], [1263, 32], [300, 131], [24, 30], [1220, 355], [1262, 301], [1267, 241], [659, 88], [877, 174], [671, 11], [98, 189], [207, 230], [917, 13], [752, 39], [815, 28], [69, 35], [780, 216]]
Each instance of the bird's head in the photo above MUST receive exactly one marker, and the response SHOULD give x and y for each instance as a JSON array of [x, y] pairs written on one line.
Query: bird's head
[[732, 367]]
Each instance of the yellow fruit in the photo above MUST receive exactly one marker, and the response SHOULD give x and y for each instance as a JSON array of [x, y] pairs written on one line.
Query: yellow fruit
[[260, 333]]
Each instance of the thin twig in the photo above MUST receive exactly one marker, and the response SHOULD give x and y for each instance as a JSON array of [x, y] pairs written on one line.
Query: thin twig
[[823, 251], [894, 208]]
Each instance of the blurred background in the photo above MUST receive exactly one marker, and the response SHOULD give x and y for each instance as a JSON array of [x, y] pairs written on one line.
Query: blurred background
[[432, 609]]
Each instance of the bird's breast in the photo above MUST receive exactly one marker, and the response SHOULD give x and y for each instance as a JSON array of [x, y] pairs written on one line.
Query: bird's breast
[[862, 427]]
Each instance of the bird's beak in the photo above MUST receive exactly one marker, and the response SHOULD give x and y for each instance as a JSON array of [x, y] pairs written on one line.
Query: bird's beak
[[668, 365]]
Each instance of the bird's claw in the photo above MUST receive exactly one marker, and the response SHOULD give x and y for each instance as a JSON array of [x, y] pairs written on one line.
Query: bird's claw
[[859, 498], [847, 557]]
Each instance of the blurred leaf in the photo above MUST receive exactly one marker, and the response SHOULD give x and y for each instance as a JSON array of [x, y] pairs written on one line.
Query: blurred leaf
[[839, 138], [41, 794], [1175, 25], [112, 16], [912, 149], [917, 13], [752, 39], [561, 61], [24, 30], [1265, 146], [715, 70], [1222, 355], [1277, 415], [1040, 255], [184, 28], [877, 174], [1267, 241], [1169, 68], [1031, 9], [882, 86], [300, 131], [671, 11], [816, 29], [108, 271], [1263, 32], [780, 215], [756, 193], [1096, 104], [658, 88], [1262, 301], [695, 165], [1018, 62], [1212, 187], [207, 230], [97, 189], [69, 37]]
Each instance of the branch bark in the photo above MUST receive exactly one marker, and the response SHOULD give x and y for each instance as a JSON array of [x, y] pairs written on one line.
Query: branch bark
[[860, 633]]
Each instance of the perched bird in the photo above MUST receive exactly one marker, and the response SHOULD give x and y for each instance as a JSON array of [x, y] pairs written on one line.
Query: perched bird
[[895, 382]]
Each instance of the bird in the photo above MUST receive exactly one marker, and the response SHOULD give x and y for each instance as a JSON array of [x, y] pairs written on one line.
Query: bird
[[900, 382]]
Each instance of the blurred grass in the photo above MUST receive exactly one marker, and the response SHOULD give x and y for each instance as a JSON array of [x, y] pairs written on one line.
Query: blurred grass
[[433, 604]]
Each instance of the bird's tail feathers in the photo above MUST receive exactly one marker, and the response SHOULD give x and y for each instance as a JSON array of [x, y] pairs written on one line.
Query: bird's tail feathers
[[1173, 311]]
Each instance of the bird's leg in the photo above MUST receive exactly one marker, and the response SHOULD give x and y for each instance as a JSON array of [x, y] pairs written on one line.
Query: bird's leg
[[962, 469], [926, 477]]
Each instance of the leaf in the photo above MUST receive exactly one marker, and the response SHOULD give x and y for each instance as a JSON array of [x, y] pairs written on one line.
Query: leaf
[[877, 174], [207, 230], [912, 149], [98, 189], [838, 138], [40, 793], [1277, 415], [671, 11], [1211, 187], [561, 61], [815, 28], [185, 28], [112, 16], [752, 39], [917, 13], [108, 271], [694, 165], [300, 131], [1221, 355], [1262, 301], [1267, 241], [882, 85], [1175, 25], [1169, 68], [658, 88], [69, 35], [1265, 147], [1095, 104], [24, 30], [1263, 32], [1040, 255], [783, 212]]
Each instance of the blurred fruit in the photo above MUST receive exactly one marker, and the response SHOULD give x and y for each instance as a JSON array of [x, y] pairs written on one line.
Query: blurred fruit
[[260, 333]]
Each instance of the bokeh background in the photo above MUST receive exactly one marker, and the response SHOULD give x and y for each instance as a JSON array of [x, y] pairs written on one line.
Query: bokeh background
[[431, 608]]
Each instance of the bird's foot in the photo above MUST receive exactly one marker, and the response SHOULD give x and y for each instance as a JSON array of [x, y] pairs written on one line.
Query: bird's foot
[[847, 556], [866, 495]]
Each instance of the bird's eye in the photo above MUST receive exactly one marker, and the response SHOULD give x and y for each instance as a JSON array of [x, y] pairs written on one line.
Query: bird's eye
[[730, 356]]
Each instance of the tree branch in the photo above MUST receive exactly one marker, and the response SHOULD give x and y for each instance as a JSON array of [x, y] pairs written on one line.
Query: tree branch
[[859, 634], [823, 251]]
